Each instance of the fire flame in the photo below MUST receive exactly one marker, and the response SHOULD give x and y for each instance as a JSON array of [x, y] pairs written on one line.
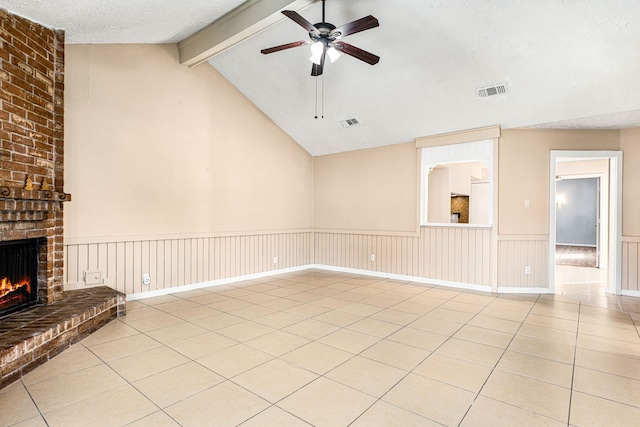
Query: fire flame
[[6, 286]]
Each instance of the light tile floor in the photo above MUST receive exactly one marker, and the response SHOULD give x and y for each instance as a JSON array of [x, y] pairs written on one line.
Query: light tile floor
[[330, 349]]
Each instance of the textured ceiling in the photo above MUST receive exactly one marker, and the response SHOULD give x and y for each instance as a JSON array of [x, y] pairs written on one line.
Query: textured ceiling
[[566, 64]]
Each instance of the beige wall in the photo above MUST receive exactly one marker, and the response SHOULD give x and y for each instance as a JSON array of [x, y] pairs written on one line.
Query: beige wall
[[630, 145], [374, 189], [524, 173], [155, 148]]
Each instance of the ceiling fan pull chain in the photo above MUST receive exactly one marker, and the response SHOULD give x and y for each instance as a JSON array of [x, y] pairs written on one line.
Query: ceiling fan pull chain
[[316, 116], [322, 96]]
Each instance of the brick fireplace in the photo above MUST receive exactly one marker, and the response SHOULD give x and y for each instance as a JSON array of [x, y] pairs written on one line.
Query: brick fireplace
[[32, 198]]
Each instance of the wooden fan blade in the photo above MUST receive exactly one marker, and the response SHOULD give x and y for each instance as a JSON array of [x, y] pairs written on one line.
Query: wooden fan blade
[[295, 17], [283, 47], [356, 26], [356, 52], [316, 70]]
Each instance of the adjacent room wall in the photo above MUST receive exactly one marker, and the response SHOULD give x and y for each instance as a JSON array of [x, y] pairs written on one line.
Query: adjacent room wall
[[175, 173], [630, 145]]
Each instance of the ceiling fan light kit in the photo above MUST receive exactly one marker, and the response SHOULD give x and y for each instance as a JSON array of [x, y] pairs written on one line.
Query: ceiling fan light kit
[[326, 40]]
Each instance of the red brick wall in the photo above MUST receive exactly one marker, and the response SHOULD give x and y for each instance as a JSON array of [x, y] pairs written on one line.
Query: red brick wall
[[32, 142]]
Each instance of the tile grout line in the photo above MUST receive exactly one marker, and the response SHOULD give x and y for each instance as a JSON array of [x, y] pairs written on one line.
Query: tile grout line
[[573, 369]]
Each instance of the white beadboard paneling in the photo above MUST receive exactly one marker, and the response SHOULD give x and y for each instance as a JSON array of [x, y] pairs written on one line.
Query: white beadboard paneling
[[630, 262], [173, 263], [516, 253]]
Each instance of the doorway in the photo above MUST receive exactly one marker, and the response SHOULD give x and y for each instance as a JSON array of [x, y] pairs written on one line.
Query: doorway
[[584, 223]]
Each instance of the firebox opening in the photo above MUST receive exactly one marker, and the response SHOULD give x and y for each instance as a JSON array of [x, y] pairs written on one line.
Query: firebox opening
[[18, 275]]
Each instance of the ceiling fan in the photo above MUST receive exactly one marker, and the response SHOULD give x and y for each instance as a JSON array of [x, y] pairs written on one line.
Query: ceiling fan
[[326, 40]]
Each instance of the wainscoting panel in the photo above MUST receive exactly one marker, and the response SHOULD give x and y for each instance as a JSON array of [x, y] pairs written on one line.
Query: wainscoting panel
[[515, 253], [182, 261], [455, 254], [630, 262]]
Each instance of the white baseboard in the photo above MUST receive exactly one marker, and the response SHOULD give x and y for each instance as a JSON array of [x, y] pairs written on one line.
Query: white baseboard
[[630, 293], [522, 290], [211, 283]]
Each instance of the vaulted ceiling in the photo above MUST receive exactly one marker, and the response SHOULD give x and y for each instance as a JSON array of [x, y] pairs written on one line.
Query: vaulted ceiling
[[566, 64]]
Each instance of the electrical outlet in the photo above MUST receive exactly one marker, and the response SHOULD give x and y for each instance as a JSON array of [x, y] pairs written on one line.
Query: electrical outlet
[[146, 279], [373, 257], [527, 269], [527, 203], [275, 259], [93, 277]]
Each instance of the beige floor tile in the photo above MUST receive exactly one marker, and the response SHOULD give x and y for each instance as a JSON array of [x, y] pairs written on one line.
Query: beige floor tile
[[120, 406], [361, 309], [195, 294], [32, 422], [607, 386], [275, 379], [413, 308], [228, 305], [395, 354], [173, 306], [500, 325], [305, 297], [73, 359], [338, 318], [317, 357], [377, 328], [78, 386], [480, 354], [418, 338], [563, 353], [431, 399], [123, 347], [111, 331], [457, 305], [327, 403], [223, 405], [431, 324], [150, 362], [234, 360], [609, 363], [366, 375], [560, 374], [536, 396], [620, 334], [274, 416], [612, 320], [181, 331], [280, 304], [620, 348], [161, 300], [280, 319], [251, 312], [499, 313], [397, 317], [176, 384], [549, 334], [218, 321], [258, 298], [140, 313], [277, 343], [351, 341], [455, 372], [552, 322], [589, 410], [383, 414], [379, 301], [194, 313], [16, 405], [311, 329], [561, 313], [153, 322], [157, 419], [132, 305], [306, 310], [484, 336], [202, 345], [210, 298], [245, 331], [487, 412], [450, 315], [475, 299]]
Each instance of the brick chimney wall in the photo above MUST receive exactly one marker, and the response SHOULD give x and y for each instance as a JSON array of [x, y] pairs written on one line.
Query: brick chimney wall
[[32, 143]]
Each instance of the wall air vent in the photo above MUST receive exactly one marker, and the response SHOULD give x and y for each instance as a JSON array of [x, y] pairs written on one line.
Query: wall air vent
[[349, 122], [498, 89]]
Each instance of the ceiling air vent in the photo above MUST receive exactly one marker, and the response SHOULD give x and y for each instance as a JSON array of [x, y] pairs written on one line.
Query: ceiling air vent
[[498, 89], [349, 122]]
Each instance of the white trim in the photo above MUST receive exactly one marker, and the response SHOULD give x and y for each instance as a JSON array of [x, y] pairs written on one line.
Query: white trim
[[615, 212], [211, 283], [416, 279], [457, 225], [523, 290], [630, 293]]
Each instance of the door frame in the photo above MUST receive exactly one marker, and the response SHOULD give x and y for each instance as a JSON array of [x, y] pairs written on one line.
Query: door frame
[[614, 273]]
